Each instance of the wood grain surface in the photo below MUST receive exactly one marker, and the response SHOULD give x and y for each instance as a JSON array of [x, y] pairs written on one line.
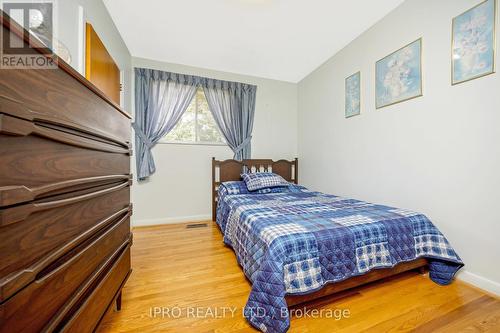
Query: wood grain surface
[[175, 266]]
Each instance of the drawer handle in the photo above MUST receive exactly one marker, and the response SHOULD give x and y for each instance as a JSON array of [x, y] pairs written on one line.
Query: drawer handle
[[51, 271], [11, 195], [21, 213], [66, 316], [19, 127], [12, 283]]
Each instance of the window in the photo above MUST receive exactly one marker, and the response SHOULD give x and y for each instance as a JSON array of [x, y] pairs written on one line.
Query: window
[[197, 125]]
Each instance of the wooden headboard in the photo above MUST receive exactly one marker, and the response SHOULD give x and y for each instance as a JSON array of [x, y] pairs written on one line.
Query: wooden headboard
[[230, 170]]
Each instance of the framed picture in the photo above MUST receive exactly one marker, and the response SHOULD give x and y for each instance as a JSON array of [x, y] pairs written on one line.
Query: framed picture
[[473, 43], [399, 75], [353, 95]]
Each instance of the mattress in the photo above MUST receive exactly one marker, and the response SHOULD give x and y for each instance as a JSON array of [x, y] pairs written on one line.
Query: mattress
[[293, 241]]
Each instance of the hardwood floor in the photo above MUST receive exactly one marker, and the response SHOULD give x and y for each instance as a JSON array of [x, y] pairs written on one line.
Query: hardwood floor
[[176, 268]]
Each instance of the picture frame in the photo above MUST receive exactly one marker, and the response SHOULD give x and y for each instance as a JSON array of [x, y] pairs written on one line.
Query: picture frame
[[399, 75], [473, 43], [353, 95]]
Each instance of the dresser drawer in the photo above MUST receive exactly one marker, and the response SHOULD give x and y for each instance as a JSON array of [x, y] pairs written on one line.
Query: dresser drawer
[[35, 234], [40, 161], [90, 311], [33, 307]]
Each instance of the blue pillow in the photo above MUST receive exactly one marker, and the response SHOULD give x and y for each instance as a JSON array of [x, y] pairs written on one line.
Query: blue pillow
[[261, 180], [239, 187]]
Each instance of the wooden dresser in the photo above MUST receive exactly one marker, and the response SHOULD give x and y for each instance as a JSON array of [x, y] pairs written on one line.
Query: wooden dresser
[[64, 199]]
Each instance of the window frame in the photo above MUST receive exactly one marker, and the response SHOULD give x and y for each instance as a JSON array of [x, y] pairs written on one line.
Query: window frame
[[164, 140]]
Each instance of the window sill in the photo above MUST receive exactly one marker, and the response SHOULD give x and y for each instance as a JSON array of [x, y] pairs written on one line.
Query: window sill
[[215, 144]]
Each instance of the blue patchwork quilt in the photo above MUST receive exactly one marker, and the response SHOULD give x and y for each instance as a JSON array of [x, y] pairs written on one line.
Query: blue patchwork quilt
[[294, 241]]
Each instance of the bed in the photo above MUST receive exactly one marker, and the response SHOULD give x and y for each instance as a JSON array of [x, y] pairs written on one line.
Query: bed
[[295, 245]]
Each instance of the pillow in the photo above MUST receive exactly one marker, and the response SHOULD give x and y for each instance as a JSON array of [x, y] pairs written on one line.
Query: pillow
[[262, 180], [233, 187], [239, 187]]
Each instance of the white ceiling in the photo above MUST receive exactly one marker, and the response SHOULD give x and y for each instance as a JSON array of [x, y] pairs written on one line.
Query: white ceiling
[[276, 39]]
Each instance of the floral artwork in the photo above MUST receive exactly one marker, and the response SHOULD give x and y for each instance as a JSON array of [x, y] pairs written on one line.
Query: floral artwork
[[474, 43], [399, 75], [353, 95]]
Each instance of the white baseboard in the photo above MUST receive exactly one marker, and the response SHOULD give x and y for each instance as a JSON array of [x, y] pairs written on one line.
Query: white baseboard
[[170, 220], [480, 282]]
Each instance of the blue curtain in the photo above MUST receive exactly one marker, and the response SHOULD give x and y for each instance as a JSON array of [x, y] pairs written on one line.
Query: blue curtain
[[160, 100], [233, 106]]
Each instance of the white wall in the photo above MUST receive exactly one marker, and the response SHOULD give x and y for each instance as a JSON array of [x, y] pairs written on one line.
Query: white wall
[[96, 14], [180, 188], [438, 154]]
